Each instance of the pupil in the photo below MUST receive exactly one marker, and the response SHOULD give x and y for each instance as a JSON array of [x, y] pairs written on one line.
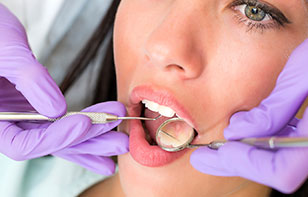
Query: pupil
[[254, 10]]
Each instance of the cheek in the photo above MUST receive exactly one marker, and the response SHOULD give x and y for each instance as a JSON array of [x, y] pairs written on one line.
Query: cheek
[[131, 29], [247, 66], [238, 77], [249, 62], [234, 86], [255, 78], [123, 59]]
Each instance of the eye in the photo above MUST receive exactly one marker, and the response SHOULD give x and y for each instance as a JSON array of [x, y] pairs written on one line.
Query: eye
[[257, 15], [253, 12]]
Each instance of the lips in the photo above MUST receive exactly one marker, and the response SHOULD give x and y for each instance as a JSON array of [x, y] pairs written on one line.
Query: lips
[[159, 96], [140, 149]]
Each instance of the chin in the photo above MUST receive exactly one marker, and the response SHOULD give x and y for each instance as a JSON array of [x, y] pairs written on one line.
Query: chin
[[173, 179]]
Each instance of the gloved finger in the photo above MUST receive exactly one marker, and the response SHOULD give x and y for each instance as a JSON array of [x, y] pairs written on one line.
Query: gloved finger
[[213, 161], [288, 131], [34, 83], [32, 125], [94, 163], [207, 161], [112, 107], [24, 71], [20, 144], [281, 106], [11, 29], [11, 99], [20, 67], [284, 170], [115, 108], [108, 144]]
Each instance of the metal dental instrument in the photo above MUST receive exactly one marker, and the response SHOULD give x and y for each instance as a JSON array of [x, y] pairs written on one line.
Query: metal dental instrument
[[175, 135], [96, 117]]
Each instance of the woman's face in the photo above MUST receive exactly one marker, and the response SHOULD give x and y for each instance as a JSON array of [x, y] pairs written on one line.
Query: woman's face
[[206, 60]]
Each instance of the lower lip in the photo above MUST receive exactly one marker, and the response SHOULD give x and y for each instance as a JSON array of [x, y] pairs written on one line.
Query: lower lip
[[146, 154]]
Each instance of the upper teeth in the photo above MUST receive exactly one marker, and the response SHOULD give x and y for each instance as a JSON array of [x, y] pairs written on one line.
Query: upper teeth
[[163, 110]]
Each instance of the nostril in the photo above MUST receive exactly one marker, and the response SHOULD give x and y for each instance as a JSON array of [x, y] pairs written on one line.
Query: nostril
[[175, 67], [196, 133], [181, 68]]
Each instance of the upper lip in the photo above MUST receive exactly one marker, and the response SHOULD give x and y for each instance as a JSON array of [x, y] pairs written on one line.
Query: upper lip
[[158, 95]]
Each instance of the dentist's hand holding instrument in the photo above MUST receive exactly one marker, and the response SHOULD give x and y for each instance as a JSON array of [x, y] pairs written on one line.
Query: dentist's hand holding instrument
[[25, 85], [285, 169]]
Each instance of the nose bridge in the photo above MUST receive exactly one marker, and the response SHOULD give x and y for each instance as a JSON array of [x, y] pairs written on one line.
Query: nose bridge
[[172, 42]]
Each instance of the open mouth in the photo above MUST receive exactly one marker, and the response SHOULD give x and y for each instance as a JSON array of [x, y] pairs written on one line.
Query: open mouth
[[143, 146], [152, 110]]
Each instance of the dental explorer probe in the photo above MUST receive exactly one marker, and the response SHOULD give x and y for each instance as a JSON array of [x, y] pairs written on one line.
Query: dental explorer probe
[[96, 117], [265, 143]]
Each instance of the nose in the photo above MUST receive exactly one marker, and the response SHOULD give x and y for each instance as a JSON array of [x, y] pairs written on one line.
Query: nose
[[173, 45]]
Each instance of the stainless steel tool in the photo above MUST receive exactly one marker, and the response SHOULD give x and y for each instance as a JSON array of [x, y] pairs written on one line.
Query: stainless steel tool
[[175, 135], [96, 117]]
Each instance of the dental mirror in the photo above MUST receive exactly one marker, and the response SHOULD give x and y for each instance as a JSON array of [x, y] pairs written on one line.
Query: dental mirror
[[174, 135]]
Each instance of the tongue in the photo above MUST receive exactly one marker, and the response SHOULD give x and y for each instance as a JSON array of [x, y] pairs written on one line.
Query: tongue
[[152, 126]]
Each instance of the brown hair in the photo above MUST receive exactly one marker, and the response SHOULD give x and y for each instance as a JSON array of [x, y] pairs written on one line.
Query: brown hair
[[105, 89]]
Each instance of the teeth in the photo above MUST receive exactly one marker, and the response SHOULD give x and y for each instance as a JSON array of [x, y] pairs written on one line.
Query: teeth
[[151, 105], [166, 111], [163, 110]]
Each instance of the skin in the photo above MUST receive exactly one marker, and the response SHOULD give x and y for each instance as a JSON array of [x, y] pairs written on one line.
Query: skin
[[212, 64]]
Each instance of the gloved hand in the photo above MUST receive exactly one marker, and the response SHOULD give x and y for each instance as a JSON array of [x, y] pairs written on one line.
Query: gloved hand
[[99, 143], [73, 138], [285, 169], [22, 78], [25, 85]]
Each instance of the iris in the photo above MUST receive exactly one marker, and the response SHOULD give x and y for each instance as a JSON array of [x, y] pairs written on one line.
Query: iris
[[254, 13]]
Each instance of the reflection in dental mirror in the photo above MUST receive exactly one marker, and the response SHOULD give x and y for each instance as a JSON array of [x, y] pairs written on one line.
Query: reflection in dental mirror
[[174, 135]]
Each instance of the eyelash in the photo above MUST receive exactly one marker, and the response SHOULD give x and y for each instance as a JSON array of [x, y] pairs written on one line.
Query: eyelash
[[276, 21]]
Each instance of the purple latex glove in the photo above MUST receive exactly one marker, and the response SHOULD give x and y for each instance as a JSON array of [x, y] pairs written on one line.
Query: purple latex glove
[[73, 138], [99, 143], [285, 169], [25, 85], [29, 81]]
